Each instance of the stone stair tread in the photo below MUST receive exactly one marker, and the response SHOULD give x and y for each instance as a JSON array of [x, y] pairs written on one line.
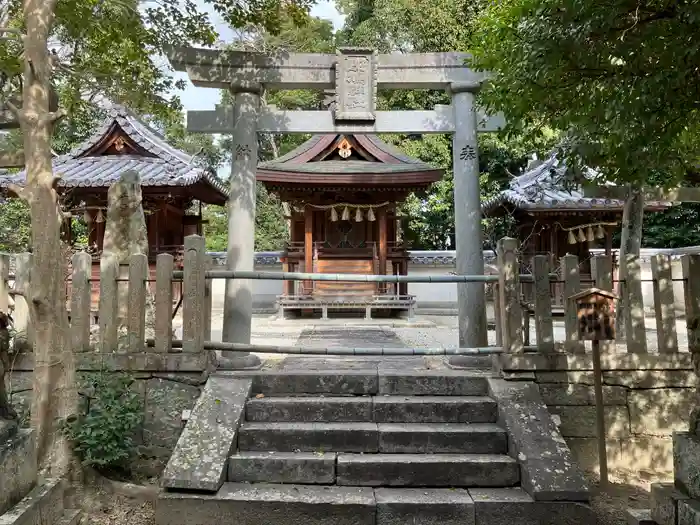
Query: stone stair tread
[[427, 470], [426, 458], [311, 398], [308, 468], [442, 438], [316, 408], [248, 426], [464, 428], [309, 436], [444, 506], [290, 493], [390, 398], [270, 504]]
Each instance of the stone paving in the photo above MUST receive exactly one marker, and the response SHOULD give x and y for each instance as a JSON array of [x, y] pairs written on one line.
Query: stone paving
[[423, 332]]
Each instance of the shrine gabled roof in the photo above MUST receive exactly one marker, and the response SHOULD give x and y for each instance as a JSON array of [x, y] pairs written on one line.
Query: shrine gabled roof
[[158, 163], [545, 188], [369, 161]]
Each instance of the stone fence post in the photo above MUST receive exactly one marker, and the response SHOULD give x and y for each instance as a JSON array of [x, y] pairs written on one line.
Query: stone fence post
[[601, 270], [80, 301], [571, 276], [509, 287], [193, 302], [544, 326]]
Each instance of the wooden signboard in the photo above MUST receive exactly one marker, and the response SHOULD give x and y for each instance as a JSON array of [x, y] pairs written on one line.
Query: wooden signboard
[[595, 311]]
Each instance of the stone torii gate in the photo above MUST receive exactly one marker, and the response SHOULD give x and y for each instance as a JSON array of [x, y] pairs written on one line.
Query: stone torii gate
[[354, 74]]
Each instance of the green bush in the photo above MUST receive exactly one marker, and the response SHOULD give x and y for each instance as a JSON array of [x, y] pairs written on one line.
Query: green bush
[[111, 411]]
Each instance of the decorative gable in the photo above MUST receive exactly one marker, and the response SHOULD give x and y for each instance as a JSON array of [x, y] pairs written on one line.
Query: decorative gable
[[345, 147]]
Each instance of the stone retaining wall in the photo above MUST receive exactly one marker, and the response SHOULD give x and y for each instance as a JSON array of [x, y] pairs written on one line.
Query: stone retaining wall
[[17, 464], [647, 398], [168, 383]]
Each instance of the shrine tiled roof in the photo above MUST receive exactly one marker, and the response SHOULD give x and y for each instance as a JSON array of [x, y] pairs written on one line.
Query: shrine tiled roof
[[349, 166], [370, 156], [159, 164], [547, 186]]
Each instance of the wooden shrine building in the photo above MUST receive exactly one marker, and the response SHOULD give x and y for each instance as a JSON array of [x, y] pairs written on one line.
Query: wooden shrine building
[[552, 217], [343, 192], [173, 185]]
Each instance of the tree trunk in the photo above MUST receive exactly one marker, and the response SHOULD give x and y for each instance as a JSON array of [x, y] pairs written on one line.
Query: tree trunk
[[55, 396], [630, 243]]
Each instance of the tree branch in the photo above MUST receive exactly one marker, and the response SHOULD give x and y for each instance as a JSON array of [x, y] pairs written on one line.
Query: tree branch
[[12, 160], [19, 191], [14, 109], [55, 116]]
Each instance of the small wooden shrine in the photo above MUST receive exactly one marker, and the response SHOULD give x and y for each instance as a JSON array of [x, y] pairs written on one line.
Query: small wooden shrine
[[343, 192], [553, 218], [173, 183]]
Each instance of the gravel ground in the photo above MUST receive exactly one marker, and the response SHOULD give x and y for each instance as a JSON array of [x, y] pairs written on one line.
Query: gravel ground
[[611, 506]]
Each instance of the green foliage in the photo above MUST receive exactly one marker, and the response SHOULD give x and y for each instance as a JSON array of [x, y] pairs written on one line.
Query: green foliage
[[409, 25], [114, 49], [15, 228], [270, 225], [673, 228], [215, 228], [618, 77], [112, 410]]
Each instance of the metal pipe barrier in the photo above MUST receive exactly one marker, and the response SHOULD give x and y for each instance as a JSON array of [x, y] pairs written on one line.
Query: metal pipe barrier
[[349, 277], [298, 350]]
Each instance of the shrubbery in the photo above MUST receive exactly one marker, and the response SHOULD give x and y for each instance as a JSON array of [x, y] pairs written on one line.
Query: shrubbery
[[111, 412]]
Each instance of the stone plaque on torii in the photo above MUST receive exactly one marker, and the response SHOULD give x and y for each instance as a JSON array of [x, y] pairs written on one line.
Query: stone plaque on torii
[[354, 74]]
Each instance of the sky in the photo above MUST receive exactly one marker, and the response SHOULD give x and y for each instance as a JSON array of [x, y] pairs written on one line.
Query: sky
[[206, 98]]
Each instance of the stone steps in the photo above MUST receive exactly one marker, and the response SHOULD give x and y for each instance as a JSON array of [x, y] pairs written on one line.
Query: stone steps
[[330, 468], [380, 409], [306, 468], [367, 381], [272, 504], [427, 470], [308, 409], [393, 438], [435, 409], [390, 441]]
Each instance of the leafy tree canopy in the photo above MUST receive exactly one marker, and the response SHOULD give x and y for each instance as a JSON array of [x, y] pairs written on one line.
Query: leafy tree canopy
[[114, 49], [619, 77]]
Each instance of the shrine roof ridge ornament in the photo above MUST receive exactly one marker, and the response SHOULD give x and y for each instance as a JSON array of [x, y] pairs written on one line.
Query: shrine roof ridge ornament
[[224, 68]]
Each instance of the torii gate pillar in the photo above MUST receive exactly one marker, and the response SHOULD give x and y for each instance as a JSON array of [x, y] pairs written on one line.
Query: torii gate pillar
[[240, 248], [354, 74], [471, 303]]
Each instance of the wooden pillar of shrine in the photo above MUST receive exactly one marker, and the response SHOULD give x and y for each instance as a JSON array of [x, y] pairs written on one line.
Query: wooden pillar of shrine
[[383, 246], [308, 247], [403, 270]]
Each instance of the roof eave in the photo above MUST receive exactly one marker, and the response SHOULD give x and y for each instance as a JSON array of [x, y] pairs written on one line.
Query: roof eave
[[403, 178]]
